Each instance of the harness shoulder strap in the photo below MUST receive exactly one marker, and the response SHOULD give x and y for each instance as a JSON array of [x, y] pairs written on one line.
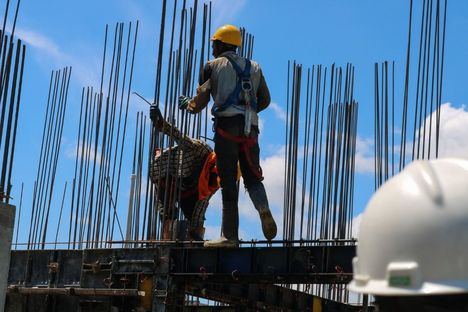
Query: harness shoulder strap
[[240, 73]]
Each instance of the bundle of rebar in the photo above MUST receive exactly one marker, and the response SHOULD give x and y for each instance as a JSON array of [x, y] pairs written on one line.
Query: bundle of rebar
[[101, 140], [321, 132], [134, 205], [425, 111], [246, 49], [430, 74], [319, 174], [384, 123], [49, 155], [12, 56]]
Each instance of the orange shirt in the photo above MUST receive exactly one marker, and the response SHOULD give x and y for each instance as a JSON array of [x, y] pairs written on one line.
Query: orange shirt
[[207, 184]]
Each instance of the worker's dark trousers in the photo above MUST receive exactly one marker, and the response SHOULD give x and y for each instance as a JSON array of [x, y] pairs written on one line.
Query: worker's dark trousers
[[228, 153]]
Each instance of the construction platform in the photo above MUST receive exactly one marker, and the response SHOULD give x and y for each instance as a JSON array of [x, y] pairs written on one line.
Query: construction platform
[[158, 278]]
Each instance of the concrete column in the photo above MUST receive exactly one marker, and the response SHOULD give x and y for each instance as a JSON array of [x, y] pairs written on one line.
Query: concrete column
[[7, 223]]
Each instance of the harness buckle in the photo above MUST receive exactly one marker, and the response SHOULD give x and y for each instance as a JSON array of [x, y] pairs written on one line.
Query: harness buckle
[[246, 84]]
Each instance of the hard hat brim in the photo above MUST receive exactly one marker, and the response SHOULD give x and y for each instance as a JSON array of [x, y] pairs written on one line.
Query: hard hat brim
[[231, 43], [381, 288]]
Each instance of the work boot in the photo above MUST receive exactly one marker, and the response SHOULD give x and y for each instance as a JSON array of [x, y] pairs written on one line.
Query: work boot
[[259, 198], [221, 242], [230, 226], [197, 233]]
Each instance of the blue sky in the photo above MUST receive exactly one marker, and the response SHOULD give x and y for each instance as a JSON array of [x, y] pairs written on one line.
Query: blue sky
[[64, 33]]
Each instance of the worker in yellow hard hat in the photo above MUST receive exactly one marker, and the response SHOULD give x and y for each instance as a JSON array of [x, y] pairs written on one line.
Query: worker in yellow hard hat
[[240, 92]]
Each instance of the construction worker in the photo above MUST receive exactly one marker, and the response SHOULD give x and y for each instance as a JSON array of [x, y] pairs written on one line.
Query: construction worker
[[412, 253], [185, 173], [240, 92]]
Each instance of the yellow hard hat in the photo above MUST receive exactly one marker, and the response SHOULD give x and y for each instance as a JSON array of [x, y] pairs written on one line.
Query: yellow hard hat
[[228, 34]]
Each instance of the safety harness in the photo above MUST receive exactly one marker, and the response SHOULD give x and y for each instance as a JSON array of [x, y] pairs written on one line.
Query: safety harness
[[244, 84]]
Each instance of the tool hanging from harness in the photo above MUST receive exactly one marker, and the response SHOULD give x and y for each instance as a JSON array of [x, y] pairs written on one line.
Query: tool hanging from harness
[[244, 84]]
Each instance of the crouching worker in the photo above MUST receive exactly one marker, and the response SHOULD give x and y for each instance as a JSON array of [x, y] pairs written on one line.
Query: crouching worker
[[185, 175]]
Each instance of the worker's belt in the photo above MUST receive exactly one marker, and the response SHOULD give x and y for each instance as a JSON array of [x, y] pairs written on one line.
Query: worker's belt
[[245, 144]]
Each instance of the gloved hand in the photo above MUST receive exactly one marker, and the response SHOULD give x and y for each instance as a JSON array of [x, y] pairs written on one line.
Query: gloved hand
[[155, 114], [184, 102]]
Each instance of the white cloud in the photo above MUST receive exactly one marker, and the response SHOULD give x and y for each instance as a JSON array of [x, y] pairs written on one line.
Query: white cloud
[[273, 171], [453, 141], [40, 42], [364, 155], [226, 11], [279, 111], [71, 150], [49, 50], [453, 131]]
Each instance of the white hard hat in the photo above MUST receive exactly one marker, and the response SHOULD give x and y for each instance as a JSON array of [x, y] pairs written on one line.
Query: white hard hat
[[413, 237]]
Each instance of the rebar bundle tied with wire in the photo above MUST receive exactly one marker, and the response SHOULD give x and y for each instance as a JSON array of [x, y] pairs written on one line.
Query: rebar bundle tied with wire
[[320, 153], [12, 57]]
